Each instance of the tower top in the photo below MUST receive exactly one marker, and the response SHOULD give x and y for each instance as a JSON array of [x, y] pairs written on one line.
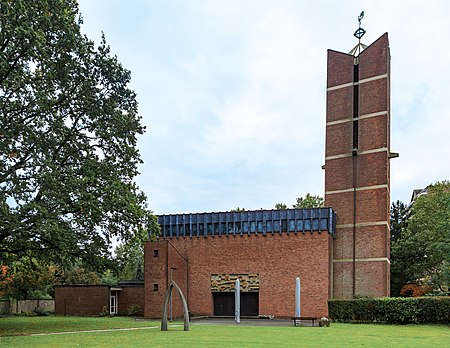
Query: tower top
[[359, 33]]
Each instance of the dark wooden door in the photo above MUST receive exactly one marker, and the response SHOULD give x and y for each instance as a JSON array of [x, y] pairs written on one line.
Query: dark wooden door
[[224, 304], [249, 304]]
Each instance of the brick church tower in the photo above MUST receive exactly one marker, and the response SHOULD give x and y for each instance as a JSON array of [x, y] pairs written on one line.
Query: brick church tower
[[357, 153]]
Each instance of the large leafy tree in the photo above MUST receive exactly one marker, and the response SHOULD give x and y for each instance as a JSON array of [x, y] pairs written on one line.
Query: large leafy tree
[[68, 128], [422, 251]]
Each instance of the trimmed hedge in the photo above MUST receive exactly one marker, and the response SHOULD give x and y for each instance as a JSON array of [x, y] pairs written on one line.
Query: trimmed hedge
[[395, 310]]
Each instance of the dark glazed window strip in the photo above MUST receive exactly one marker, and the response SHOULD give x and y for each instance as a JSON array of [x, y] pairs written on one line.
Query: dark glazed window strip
[[257, 222]]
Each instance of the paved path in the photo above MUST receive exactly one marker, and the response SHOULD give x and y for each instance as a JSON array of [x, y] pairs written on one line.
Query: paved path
[[101, 330], [246, 322]]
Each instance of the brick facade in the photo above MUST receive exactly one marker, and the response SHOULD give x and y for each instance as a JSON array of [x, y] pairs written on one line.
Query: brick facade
[[277, 259]]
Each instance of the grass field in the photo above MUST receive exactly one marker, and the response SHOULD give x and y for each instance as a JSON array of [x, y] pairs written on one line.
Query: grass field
[[338, 335]]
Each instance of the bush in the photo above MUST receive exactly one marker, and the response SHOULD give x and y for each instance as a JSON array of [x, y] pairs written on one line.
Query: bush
[[418, 310], [414, 290], [134, 310], [40, 312], [104, 312]]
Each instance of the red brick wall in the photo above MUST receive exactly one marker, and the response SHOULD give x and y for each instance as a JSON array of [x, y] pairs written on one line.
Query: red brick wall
[[81, 300], [369, 169], [278, 260], [130, 295], [158, 271]]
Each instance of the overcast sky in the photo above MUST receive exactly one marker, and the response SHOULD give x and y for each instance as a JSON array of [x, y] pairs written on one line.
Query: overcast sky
[[233, 93]]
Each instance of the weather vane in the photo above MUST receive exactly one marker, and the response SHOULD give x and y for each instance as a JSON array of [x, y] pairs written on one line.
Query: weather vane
[[359, 33]]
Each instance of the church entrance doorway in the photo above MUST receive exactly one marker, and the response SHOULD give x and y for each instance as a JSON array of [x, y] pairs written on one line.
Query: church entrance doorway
[[224, 304]]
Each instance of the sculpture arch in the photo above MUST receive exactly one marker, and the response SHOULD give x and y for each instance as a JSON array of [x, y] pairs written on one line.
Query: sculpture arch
[[164, 323]]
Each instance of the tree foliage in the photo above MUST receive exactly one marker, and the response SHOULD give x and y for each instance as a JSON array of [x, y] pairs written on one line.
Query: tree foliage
[[130, 255], [398, 222], [6, 279], [68, 128], [422, 251], [309, 201], [399, 219], [31, 278]]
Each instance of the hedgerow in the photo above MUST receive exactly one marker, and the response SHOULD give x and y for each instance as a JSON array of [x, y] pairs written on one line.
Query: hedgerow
[[395, 310]]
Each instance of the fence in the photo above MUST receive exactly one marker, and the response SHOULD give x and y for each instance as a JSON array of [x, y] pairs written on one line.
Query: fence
[[5, 307], [25, 306]]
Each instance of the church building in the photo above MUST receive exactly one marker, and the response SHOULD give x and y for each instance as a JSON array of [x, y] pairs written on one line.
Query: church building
[[339, 251]]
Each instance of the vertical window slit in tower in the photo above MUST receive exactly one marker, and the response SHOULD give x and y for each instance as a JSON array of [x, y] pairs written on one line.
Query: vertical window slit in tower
[[355, 105]]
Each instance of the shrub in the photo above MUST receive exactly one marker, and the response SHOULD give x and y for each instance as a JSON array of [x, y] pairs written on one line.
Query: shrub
[[134, 310], [324, 322], [104, 312], [40, 312], [414, 290], [413, 310]]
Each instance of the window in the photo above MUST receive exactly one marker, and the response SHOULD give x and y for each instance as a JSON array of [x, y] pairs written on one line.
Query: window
[[261, 226], [155, 287], [291, 225], [155, 253], [276, 225]]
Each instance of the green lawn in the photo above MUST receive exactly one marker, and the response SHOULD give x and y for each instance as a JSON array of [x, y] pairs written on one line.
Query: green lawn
[[338, 335], [33, 325]]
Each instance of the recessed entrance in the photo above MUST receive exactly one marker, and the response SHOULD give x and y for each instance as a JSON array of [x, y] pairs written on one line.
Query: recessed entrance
[[224, 304]]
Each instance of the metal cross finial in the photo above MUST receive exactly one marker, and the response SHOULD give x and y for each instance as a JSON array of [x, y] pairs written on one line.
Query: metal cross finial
[[359, 33]]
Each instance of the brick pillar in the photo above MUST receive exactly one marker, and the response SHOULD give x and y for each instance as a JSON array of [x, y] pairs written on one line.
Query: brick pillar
[[357, 169]]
